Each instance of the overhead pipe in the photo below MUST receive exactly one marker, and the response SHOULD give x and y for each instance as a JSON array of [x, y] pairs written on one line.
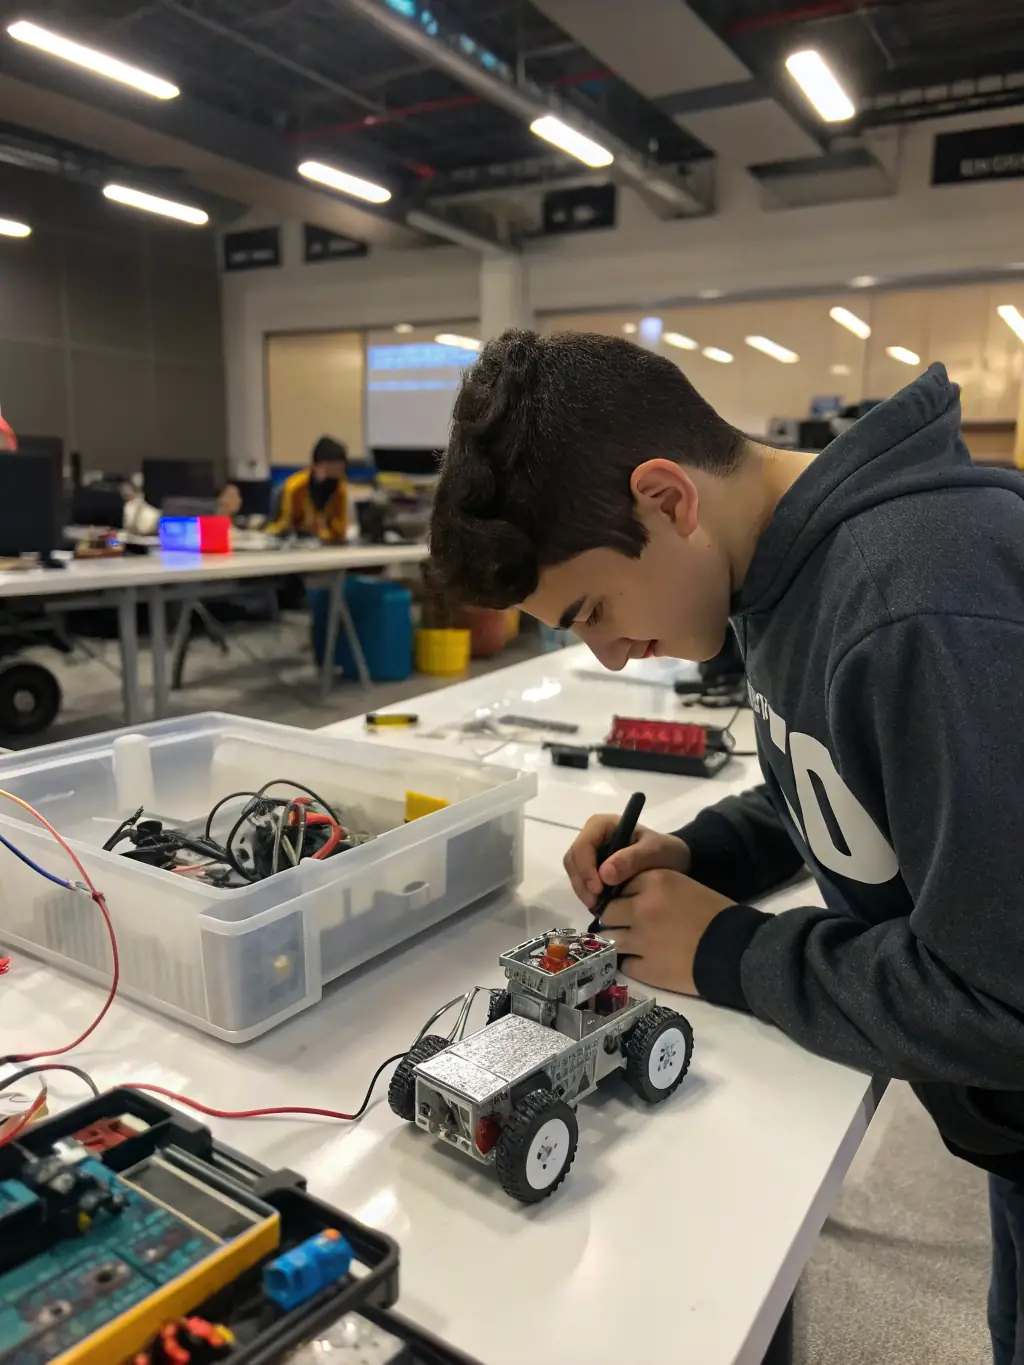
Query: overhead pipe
[[522, 98], [800, 14]]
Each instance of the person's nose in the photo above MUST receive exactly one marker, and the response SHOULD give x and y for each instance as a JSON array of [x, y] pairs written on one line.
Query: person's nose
[[614, 654]]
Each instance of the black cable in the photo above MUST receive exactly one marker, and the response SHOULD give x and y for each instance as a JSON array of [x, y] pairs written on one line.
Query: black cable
[[8, 1081], [373, 1085], [287, 782], [231, 796]]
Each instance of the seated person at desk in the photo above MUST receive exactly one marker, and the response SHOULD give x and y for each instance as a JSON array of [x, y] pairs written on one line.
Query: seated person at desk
[[314, 502], [229, 502]]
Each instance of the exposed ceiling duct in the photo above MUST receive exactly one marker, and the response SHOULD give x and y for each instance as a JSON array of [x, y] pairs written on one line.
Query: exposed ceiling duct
[[670, 55], [662, 187]]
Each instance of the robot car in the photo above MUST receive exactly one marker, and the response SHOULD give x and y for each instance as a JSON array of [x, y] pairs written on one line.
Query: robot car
[[507, 1094]]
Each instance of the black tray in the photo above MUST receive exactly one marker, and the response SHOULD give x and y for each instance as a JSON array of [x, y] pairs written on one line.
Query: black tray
[[712, 762]]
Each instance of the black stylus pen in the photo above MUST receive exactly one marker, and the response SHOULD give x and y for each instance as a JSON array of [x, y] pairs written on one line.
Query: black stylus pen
[[622, 837]]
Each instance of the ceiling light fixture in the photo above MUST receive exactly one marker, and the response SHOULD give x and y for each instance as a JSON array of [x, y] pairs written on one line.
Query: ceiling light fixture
[[818, 81], [343, 181], [152, 203], [403, 328], [903, 355], [863, 281], [629, 328], [677, 339], [851, 322], [10, 227], [1012, 317], [709, 293], [772, 348], [461, 343], [717, 354], [839, 369], [567, 139], [99, 62]]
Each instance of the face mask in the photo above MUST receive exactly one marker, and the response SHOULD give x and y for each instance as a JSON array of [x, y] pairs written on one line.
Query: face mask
[[321, 491]]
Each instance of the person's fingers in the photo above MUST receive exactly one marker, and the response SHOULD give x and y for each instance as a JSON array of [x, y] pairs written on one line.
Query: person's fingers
[[618, 914], [627, 941], [581, 860], [642, 856]]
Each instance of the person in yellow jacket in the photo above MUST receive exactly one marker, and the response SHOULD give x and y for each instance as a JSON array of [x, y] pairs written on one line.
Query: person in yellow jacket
[[314, 501]]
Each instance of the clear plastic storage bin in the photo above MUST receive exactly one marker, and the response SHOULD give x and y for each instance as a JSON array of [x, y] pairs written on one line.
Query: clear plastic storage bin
[[235, 962]]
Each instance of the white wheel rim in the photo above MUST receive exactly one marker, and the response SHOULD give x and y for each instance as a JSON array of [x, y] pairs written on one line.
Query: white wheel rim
[[549, 1151], [667, 1059]]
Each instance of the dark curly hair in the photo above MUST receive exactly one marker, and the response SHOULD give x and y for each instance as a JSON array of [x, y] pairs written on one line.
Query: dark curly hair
[[546, 434]]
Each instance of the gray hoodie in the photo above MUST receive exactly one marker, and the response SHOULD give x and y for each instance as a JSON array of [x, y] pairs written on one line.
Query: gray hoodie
[[882, 626]]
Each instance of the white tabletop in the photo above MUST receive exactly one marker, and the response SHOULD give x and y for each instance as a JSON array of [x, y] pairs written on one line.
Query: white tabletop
[[680, 1233], [161, 569], [567, 685]]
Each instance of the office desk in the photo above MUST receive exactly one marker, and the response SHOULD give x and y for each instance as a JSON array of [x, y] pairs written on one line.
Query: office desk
[[680, 1232], [158, 578]]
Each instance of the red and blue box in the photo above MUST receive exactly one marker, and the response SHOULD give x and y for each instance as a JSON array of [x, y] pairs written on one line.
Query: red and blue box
[[196, 535]]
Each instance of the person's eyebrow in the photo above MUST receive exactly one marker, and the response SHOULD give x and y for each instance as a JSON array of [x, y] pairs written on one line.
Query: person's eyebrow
[[570, 614]]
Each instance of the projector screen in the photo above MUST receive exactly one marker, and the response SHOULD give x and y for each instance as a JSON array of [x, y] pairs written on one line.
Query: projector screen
[[410, 389]]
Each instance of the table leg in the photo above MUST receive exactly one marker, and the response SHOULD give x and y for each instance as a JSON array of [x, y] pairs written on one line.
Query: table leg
[[179, 644], [339, 617], [128, 635], [158, 650], [780, 1351]]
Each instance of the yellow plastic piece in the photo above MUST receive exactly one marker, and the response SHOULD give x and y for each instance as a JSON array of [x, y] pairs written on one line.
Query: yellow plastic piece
[[122, 1338], [442, 653], [416, 804]]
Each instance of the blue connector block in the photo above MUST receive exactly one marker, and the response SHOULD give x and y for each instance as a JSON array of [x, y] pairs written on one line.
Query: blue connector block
[[299, 1274]]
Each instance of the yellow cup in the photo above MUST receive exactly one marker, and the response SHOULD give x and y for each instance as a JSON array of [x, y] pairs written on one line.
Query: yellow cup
[[442, 653]]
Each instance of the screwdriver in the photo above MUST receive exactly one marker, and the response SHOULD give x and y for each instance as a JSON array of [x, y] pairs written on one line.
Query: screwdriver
[[621, 837]]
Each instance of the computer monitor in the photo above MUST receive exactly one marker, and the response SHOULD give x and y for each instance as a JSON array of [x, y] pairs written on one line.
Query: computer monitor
[[97, 504], [163, 479], [413, 461], [53, 446], [255, 496], [30, 510]]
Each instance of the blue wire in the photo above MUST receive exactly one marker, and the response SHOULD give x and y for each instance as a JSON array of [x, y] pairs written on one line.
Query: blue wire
[[50, 876]]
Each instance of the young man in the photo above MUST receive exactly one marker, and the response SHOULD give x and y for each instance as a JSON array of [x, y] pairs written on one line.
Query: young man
[[877, 591], [314, 501]]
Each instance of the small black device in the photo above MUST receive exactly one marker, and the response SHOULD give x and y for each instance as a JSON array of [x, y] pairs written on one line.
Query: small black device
[[413, 461], [30, 511], [569, 755], [255, 496], [97, 504], [163, 479], [622, 837]]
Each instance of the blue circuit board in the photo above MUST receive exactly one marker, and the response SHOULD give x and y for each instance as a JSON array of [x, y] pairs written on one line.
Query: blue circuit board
[[59, 1298]]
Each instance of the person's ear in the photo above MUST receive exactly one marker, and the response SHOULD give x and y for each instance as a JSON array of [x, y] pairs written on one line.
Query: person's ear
[[662, 488]]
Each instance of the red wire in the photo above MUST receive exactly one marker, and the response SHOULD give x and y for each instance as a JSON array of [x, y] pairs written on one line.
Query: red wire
[[101, 905], [238, 1113]]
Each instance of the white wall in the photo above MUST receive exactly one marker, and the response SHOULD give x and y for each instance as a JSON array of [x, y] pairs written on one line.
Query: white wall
[[920, 230]]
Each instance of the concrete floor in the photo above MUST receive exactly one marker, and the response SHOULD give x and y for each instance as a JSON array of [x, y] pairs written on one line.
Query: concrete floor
[[900, 1272]]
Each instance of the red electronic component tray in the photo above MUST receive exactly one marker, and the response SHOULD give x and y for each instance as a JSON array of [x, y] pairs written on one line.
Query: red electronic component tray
[[665, 746]]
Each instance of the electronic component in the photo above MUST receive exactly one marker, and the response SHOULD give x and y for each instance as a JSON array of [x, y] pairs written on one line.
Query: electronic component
[[569, 755], [665, 746], [299, 1274], [382, 719], [417, 805], [191, 1341]]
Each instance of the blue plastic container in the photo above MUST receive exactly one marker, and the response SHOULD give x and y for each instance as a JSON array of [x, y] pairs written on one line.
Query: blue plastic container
[[382, 614]]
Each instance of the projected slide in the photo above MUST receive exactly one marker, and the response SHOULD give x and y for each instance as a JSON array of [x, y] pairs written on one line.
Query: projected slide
[[410, 391]]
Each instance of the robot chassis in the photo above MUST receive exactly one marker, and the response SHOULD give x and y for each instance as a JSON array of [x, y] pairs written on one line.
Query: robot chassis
[[507, 1095]]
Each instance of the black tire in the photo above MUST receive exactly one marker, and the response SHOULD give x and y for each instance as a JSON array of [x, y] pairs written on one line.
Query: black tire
[[30, 698], [658, 1052], [527, 1172], [498, 1006], [402, 1090]]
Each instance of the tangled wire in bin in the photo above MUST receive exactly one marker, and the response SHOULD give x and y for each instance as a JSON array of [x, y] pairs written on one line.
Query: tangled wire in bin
[[271, 834]]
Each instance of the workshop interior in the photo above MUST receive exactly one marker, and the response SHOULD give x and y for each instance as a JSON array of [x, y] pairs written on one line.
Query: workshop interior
[[308, 1051]]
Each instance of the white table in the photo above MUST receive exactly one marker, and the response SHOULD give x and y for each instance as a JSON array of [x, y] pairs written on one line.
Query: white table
[[159, 577], [680, 1233], [561, 686]]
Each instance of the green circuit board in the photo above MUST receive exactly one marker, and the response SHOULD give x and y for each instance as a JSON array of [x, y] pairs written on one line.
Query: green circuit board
[[60, 1297]]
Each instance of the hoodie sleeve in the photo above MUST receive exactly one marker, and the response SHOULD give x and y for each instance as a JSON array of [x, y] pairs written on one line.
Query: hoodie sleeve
[[740, 847], [924, 712]]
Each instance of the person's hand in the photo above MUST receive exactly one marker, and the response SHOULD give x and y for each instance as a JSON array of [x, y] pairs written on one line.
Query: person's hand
[[648, 850], [656, 925]]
